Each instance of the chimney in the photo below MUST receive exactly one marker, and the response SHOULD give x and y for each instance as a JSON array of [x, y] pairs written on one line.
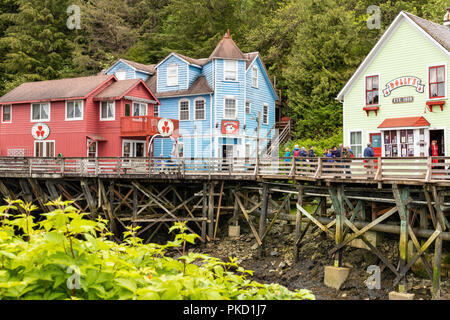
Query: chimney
[[447, 18]]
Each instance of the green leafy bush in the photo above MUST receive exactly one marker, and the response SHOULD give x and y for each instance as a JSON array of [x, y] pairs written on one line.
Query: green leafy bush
[[66, 256]]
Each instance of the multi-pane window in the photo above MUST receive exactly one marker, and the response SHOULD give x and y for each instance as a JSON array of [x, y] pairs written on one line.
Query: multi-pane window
[[6, 113], [156, 111], [255, 77], [265, 115], [107, 110], [184, 110], [372, 90], [230, 70], [390, 143], [40, 112], [44, 149], [356, 143], [200, 113], [139, 109], [437, 81], [172, 75], [74, 110], [248, 108], [230, 108]]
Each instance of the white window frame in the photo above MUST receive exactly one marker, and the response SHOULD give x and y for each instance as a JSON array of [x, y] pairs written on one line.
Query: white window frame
[[265, 114], [45, 147], [362, 141], [204, 109], [380, 90], [88, 142], [140, 104], [248, 107], [75, 118], [113, 109], [172, 80], [227, 68], [255, 76], [10, 113], [133, 149], [121, 74], [428, 79], [188, 110], [156, 113], [40, 103], [235, 107]]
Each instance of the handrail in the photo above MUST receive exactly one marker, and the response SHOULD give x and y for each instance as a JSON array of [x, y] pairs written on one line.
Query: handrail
[[423, 169]]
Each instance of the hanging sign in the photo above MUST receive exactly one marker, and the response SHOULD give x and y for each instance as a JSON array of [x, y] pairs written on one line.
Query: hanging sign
[[165, 127], [40, 131], [403, 82], [230, 127]]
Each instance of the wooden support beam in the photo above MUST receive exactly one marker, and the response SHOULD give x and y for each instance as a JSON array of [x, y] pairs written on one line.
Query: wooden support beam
[[204, 210], [218, 209], [40, 195], [89, 198], [263, 217], [298, 221], [252, 227], [336, 194], [211, 211], [436, 290]]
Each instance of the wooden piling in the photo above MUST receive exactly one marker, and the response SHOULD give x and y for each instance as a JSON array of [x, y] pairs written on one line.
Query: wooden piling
[[263, 217], [298, 222]]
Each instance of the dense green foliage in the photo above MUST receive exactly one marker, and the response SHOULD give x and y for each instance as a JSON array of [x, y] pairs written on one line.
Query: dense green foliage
[[65, 256], [311, 47]]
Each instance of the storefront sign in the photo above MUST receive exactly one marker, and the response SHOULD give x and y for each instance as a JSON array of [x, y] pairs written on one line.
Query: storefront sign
[[40, 131], [230, 127], [402, 82], [165, 127], [403, 100]]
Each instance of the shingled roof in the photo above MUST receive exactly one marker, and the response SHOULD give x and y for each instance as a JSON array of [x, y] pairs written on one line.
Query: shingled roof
[[52, 90], [117, 89], [227, 49], [200, 86], [150, 68], [438, 32]]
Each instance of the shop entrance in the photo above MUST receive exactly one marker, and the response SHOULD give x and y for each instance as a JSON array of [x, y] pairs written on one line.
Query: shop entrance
[[439, 136], [375, 140]]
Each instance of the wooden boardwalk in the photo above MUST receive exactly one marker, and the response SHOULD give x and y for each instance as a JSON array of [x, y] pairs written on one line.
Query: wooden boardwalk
[[356, 170]]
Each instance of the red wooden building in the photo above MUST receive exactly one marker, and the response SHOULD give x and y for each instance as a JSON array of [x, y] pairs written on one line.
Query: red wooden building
[[97, 116]]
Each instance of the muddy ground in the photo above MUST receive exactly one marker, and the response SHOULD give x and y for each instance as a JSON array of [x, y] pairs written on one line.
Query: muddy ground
[[278, 266]]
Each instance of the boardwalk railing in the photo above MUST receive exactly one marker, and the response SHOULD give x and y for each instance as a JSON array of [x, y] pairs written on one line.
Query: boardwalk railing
[[377, 169]]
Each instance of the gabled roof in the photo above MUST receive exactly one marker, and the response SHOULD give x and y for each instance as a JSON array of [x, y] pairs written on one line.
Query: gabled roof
[[200, 86], [54, 90], [227, 49], [145, 68], [404, 122], [119, 89], [193, 62], [251, 58], [437, 34]]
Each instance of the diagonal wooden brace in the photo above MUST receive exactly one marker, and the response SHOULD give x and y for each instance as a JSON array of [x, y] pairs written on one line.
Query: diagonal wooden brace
[[316, 222]]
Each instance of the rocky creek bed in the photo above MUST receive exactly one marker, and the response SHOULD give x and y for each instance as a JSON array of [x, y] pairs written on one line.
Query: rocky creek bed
[[278, 266]]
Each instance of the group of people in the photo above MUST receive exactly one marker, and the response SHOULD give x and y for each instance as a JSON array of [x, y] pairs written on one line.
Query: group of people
[[299, 153], [334, 152]]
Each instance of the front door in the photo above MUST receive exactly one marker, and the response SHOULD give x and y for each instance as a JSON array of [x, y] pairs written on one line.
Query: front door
[[133, 149], [439, 136], [375, 140]]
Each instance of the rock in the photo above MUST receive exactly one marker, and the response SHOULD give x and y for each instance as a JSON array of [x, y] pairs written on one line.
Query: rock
[[254, 247], [282, 265], [274, 253]]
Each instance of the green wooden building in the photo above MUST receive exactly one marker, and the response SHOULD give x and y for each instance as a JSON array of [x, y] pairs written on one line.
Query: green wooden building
[[397, 98]]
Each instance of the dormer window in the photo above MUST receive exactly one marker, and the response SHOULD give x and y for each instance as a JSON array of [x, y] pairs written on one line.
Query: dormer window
[[172, 75], [372, 91], [437, 81], [121, 75], [230, 70]]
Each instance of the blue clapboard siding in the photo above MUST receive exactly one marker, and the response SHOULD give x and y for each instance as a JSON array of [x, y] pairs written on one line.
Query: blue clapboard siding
[[163, 146], [194, 73], [182, 75], [122, 66], [142, 75], [208, 72]]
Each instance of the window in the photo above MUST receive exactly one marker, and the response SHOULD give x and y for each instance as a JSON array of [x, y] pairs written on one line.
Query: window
[[92, 148], [390, 144], [230, 70], [184, 110], [265, 115], [248, 107], [172, 75], [372, 90], [107, 110], [74, 110], [437, 82], [356, 143], [230, 108], [121, 75], [156, 111], [127, 110], [40, 112], [200, 113], [255, 77], [6, 113], [139, 109], [44, 149]]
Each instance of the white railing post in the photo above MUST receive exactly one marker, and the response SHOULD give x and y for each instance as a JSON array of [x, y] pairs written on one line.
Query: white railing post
[[318, 173]]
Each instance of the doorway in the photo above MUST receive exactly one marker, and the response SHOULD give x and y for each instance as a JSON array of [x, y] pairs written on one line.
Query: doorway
[[133, 149], [227, 151], [375, 140], [439, 136]]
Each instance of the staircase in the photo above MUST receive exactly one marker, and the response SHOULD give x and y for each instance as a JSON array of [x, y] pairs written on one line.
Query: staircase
[[281, 134]]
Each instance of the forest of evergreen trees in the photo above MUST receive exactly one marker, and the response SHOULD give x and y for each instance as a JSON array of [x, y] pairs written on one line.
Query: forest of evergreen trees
[[311, 47]]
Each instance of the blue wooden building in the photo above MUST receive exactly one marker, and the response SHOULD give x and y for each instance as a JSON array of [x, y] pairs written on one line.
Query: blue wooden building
[[217, 100]]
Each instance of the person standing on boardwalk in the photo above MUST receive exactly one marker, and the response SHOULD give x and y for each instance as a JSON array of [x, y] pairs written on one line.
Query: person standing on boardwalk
[[311, 152], [434, 151], [368, 153], [287, 155]]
